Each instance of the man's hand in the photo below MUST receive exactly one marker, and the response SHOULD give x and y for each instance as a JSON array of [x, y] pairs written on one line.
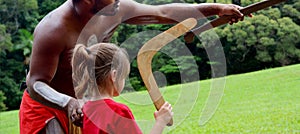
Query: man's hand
[[231, 9], [74, 112]]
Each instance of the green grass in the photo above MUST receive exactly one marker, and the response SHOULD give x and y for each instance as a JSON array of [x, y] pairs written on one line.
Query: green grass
[[266, 101], [9, 122]]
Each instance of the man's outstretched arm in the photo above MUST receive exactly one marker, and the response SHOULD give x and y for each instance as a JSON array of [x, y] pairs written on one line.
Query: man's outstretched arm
[[137, 13]]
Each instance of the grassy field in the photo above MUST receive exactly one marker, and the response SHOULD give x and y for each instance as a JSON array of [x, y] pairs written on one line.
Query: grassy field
[[266, 101]]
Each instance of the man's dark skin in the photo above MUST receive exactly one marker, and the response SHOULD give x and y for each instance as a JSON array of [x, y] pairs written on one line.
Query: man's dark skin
[[57, 34]]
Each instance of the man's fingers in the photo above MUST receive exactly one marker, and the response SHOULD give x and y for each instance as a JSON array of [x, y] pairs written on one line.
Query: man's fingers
[[237, 12], [242, 19], [78, 123], [233, 20], [75, 112], [79, 112], [73, 116], [76, 117]]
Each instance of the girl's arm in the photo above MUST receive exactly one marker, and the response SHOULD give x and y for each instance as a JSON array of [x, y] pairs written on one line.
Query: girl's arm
[[162, 117]]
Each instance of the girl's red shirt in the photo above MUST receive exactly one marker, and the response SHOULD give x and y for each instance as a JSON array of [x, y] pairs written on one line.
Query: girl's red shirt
[[107, 116]]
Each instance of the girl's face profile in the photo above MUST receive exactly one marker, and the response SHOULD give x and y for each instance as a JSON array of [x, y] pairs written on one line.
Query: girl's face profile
[[119, 87]]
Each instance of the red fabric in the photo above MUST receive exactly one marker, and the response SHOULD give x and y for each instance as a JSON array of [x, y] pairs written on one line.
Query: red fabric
[[107, 116], [34, 116]]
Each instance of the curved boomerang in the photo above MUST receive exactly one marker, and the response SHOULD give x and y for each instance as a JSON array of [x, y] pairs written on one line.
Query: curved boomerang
[[150, 48], [189, 37]]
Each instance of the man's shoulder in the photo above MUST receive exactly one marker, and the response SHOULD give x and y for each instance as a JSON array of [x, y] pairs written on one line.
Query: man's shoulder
[[51, 32], [56, 22], [51, 35], [49, 25]]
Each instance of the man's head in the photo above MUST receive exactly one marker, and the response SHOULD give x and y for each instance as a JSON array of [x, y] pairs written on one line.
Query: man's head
[[98, 7], [105, 7]]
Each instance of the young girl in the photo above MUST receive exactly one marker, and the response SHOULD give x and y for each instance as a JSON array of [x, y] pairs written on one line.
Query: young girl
[[99, 73]]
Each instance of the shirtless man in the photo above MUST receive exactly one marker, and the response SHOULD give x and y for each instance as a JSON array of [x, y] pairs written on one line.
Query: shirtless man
[[49, 100]]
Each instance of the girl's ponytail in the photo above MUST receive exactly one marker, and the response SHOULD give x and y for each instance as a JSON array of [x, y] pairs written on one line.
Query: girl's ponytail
[[82, 69]]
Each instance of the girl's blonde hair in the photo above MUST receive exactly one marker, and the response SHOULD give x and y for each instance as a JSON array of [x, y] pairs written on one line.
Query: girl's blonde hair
[[92, 65]]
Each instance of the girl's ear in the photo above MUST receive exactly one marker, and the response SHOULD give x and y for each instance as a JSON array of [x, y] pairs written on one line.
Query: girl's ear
[[113, 75]]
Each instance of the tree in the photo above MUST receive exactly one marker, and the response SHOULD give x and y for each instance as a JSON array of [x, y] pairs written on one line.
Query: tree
[[237, 2], [288, 37], [292, 11], [46, 6], [17, 14], [200, 1], [11, 71], [2, 99], [5, 40], [24, 44], [264, 41]]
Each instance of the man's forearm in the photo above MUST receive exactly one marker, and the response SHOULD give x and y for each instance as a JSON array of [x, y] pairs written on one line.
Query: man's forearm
[[180, 11], [47, 93], [170, 13], [209, 9]]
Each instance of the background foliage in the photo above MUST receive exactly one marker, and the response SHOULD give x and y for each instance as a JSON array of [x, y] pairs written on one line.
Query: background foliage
[[269, 39]]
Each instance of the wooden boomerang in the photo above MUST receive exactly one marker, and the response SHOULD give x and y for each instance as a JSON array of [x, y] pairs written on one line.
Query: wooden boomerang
[[150, 48], [189, 37]]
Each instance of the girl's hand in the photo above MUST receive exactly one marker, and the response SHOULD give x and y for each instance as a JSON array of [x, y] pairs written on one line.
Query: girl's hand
[[164, 114]]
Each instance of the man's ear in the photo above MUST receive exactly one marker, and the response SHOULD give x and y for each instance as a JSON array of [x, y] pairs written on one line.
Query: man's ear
[[89, 2]]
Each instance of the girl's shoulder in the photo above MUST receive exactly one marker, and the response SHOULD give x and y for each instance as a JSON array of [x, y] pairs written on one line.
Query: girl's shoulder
[[108, 106], [116, 105], [119, 108]]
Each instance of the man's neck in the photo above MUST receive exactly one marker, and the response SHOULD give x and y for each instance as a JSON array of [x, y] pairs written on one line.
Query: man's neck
[[81, 14]]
